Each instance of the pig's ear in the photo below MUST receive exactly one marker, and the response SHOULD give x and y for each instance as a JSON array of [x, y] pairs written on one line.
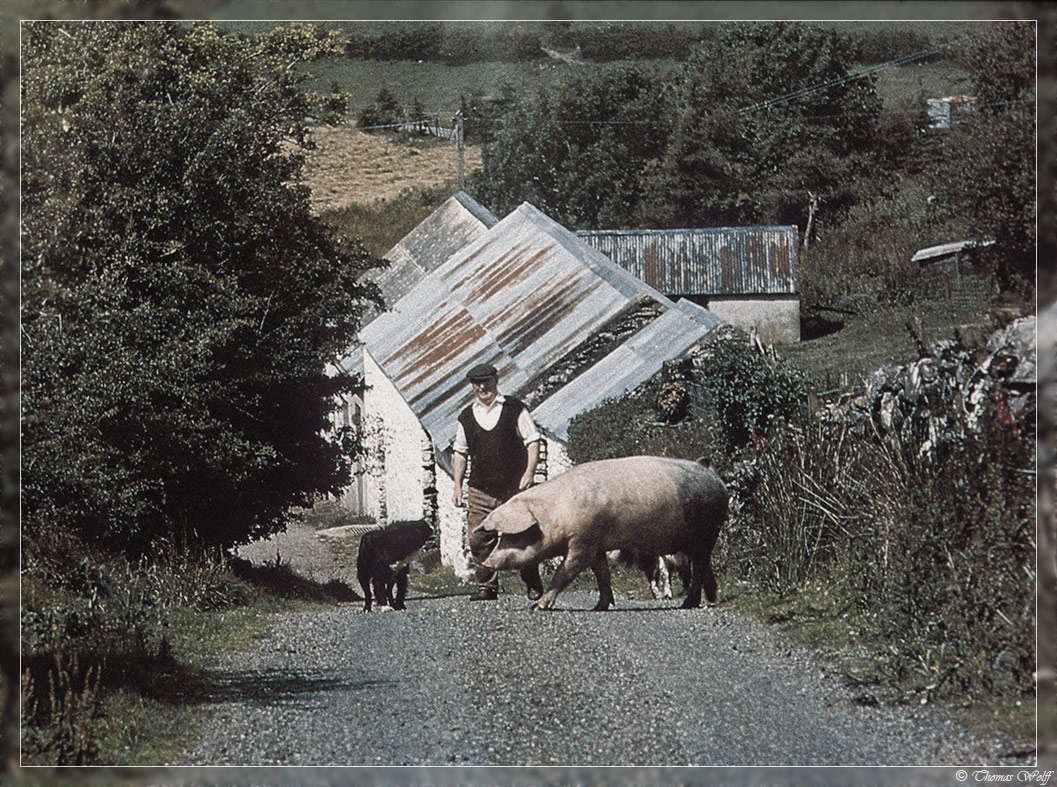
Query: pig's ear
[[514, 517]]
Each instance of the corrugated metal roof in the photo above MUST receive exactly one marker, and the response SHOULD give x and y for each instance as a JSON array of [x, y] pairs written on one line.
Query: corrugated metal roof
[[706, 261], [457, 222], [634, 362], [520, 297]]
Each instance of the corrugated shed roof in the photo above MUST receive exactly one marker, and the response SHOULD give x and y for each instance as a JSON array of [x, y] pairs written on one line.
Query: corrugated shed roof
[[520, 297], [457, 222], [945, 249], [631, 364], [707, 261]]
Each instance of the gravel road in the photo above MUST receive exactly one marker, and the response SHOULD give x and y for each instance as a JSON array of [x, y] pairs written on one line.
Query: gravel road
[[454, 683]]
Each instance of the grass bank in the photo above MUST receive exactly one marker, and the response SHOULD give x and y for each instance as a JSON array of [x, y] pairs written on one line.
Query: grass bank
[[117, 658]]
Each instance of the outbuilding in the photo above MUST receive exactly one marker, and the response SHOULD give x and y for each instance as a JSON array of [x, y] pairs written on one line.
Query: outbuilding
[[951, 272], [746, 276]]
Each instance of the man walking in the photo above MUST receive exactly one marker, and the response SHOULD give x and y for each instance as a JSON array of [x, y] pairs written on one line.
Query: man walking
[[496, 432]]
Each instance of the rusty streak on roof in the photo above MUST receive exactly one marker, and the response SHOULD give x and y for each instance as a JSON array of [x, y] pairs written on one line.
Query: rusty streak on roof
[[457, 222], [521, 297], [711, 261]]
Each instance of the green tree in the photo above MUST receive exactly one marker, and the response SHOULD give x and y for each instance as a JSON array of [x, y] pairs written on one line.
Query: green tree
[[760, 124], [988, 171], [578, 151], [770, 119], [180, 302]]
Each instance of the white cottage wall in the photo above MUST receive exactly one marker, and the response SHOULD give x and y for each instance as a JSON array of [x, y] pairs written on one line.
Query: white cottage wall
[[777, 320], [557, 458], [454, 548], [394, 483]]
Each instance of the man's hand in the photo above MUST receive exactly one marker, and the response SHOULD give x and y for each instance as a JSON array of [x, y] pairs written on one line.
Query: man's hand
[[456, 497], [525, 482]]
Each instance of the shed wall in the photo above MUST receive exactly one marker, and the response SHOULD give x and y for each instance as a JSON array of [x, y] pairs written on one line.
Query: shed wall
[[396, 483], [777, 320]]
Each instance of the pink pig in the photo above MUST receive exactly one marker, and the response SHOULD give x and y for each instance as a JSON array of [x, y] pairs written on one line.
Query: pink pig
[[649, 504]]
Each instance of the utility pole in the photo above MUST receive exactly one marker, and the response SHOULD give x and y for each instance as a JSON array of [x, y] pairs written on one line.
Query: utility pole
[[458, 139], [812, 207]]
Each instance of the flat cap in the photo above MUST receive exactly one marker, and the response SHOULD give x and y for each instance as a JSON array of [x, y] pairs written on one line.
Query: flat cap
[[482, 371]]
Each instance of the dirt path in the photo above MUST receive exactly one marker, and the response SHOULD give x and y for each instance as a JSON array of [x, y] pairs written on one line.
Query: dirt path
[[306, 551], [454, 682]]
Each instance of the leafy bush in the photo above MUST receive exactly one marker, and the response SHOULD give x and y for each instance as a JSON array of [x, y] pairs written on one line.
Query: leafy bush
[[385, 111], [628, 426], [891, 43], [742, 390], [577, 151]]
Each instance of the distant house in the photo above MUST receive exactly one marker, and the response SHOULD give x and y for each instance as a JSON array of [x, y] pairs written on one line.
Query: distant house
[[946, 112], [564, 325], [746, 276], [950, 272]]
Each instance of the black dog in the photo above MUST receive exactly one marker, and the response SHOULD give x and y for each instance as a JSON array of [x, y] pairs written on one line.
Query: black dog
[[383, 558]]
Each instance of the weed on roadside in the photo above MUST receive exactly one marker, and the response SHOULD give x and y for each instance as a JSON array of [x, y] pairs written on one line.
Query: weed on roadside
[[115, 655]]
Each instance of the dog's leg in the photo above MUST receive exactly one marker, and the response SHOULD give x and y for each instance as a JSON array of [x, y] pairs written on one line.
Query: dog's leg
[[401, 587], [383, 579]]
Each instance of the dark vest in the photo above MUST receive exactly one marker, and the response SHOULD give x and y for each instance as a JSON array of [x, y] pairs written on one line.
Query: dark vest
[[498, 457]]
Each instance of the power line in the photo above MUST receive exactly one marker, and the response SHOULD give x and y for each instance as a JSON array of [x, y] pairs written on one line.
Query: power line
[[856, 75]]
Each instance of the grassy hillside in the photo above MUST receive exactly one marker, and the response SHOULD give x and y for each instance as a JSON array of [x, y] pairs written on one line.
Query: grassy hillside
[[438, 87], [350, 167]]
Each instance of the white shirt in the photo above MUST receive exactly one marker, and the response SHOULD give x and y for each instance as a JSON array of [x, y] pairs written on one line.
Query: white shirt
[[488, 417]]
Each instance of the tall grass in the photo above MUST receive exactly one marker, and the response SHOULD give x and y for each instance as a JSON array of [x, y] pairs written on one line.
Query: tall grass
[[915, 562], [381, 226], [935, 549], [112, 649]]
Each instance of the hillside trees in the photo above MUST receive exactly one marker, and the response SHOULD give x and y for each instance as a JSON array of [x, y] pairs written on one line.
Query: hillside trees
[[987, 170], [762, 122], [769, 119], [578, 151], [180, 303]]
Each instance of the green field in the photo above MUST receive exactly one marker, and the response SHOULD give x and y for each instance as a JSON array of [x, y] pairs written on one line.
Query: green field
[[438, 87]]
